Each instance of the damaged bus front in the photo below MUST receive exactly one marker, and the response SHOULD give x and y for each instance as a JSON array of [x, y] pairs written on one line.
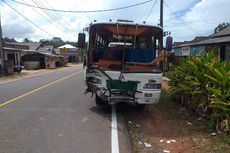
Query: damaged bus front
[[123, 63]]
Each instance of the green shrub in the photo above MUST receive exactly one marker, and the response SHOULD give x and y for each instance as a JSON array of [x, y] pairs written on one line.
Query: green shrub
[[220, 99], [202, 84]]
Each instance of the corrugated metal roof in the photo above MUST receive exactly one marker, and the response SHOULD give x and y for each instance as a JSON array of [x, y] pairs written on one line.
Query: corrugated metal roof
[[45, 48], [31, 45], [11, 49], [207, 41], [224, 32], [216, 40]]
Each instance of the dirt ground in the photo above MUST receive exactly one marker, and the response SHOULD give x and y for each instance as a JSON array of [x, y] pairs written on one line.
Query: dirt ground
[[167, 127]]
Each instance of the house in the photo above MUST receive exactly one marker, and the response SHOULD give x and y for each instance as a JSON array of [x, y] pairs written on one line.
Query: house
[[13, 51], [39, 60], [219, 42], [32, 55], [11, 58], [70, 53], [46, 49], [188, 48]]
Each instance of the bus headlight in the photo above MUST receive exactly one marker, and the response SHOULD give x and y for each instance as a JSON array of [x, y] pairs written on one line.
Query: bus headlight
[[152, 86]]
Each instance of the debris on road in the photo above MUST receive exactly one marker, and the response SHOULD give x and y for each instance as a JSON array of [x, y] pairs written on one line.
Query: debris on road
[[147, 145], [168, 141], [189, 123], [166, 151], [140, 142], [137, 125], [130, 122], [213, 134], [172, 140]]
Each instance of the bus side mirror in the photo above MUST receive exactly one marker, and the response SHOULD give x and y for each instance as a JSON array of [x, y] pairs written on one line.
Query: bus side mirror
[[169, 42], [81, 40]]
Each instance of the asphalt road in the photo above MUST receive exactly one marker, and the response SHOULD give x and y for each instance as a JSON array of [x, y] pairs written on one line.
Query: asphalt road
[[49, 113]]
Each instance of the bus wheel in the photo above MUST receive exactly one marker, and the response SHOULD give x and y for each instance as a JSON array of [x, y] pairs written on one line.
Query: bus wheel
[[140, 107], [99, 101]]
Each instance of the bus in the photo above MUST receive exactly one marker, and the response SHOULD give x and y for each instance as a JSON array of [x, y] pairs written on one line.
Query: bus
[[123, 63]]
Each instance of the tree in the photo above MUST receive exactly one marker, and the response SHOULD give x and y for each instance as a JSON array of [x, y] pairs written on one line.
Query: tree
[[6, 39], [221, 27], [27, 40]]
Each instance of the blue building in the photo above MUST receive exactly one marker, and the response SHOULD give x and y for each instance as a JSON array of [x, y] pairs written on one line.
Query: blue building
[[219, 42]]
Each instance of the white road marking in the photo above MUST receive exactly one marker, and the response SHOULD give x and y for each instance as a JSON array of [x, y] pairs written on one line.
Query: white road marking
[[114, 132]]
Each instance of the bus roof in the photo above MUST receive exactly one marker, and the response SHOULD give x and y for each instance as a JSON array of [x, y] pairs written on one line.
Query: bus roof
[[125, 23], [125, 28]]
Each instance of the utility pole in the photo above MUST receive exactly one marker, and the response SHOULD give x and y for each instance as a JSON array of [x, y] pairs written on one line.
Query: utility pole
[[161, 21], [161, 13], [1, 46], [161, 40]]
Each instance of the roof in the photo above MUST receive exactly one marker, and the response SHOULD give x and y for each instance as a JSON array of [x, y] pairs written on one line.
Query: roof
[[42, 53], [11, 49], [125, 23], [221, 37], [199, 38], [215, 40], [45, 49], [106, 29], [47, 54], [30, 45], [67, 46], [207, 41], [224, 32], [175, 44], [196, 40]]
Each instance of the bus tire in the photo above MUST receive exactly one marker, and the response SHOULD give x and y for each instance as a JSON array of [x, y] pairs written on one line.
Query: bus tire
[[99, 101], [140, 107]]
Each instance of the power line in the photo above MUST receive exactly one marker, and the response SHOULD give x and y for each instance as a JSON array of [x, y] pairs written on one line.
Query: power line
[[181, 19], [42, 15], [19, 26], [17, 29], [48, 16], [139, 16], [27, 19], [151, 10], [41, 4], [38, 3], [85, 11], [59, 16]]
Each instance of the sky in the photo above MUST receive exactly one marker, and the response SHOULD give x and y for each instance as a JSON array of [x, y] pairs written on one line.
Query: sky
[[185, 19]]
